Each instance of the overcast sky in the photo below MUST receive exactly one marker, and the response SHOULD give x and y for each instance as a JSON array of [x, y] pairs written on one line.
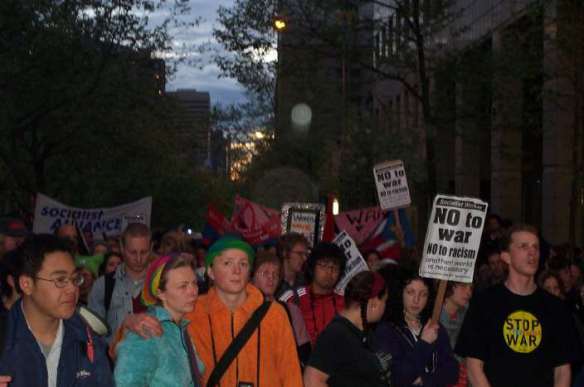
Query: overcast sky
[[222, 90]]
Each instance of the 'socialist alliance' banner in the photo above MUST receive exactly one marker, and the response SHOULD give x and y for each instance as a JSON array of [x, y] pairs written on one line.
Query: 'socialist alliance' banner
[[453, 238], [50, 214]]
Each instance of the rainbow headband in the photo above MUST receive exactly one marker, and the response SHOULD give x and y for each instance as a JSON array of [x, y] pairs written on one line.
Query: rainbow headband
[[152, 280]]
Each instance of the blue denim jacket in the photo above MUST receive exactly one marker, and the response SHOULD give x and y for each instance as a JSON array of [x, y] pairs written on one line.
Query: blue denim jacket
[[156, 362], [23, 360]]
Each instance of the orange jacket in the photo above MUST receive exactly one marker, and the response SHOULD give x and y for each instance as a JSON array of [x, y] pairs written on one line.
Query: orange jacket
[[213, 327]]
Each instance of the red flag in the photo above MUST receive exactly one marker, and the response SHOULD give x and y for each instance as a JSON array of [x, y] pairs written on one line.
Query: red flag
[[256, 223]]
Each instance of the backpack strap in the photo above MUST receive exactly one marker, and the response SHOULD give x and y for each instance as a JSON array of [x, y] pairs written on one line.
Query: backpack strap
[[237, 344], [110, 283]]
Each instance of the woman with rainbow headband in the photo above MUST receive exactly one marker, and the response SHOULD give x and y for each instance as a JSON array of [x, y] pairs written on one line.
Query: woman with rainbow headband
[[170, 291]]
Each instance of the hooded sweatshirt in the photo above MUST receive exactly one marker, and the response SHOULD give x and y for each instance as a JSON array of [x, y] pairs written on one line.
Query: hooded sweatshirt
[[269, 357]]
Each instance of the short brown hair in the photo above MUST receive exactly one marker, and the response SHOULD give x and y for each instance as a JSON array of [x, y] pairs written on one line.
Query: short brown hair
[[287, 242], [176, 262], [135, 230], [266, 256], [450, 285], [174, 242], [505, 241]]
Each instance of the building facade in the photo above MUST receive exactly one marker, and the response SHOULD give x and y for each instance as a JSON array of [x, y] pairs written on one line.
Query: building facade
[[193, 122], [508, 111]]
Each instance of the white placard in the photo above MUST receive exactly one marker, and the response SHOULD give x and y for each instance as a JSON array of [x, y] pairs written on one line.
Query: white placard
[[304, 218], [50, 214], [355, 262], [453, 238], [392, 185]]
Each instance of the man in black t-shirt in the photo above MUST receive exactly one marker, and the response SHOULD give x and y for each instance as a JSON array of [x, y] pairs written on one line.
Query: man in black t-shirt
[[515, 334]]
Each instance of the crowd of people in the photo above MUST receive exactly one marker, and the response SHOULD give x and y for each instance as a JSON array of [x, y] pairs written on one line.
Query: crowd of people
[[179, 312]]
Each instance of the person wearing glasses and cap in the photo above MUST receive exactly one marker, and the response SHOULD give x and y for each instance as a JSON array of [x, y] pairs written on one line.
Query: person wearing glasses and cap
[[46, 343]]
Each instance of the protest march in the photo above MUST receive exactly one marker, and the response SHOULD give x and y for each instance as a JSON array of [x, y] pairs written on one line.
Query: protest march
[[289, 296]]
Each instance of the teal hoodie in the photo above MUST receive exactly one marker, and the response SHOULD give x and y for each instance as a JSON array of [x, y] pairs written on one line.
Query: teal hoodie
[[157, 362]]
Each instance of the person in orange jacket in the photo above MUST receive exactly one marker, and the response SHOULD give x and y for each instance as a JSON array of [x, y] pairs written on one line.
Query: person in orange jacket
[[269, 357]]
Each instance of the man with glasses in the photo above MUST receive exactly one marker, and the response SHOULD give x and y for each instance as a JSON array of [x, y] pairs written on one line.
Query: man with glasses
[[292, 249], [318, 301], [46, 343]]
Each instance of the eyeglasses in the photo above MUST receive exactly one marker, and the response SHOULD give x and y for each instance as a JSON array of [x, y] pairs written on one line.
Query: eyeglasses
[[268, 274], [329, 266], [61, 282], [301, 253]]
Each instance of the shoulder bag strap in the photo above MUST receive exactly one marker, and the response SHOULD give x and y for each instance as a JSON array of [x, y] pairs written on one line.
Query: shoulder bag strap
[[237, 344]]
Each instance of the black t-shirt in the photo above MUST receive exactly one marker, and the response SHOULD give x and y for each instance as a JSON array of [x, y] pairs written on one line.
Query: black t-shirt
[[520, 339], [342, 353]]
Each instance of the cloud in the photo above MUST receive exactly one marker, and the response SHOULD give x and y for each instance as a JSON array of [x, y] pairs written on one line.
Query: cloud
[[197, 69]]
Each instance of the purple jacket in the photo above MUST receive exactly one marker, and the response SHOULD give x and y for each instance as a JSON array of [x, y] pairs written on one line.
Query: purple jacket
[[412, 358]]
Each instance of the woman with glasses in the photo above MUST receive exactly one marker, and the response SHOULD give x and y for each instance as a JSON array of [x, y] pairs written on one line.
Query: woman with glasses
[[420, 349], [170, 291], [292, 249], [266, 277]]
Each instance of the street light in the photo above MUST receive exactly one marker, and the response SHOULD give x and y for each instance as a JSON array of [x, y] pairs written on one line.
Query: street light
[[279, 23]]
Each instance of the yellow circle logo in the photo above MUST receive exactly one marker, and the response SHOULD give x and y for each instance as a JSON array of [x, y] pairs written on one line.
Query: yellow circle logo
[[522, 331]]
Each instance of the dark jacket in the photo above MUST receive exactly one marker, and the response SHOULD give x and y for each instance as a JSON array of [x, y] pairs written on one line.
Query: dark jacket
[[411, 358], [23, 360]]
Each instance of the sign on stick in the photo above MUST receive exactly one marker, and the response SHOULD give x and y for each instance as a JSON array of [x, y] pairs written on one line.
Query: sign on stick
[[453, 238], [392, 185], [355, 262], [304, 218]]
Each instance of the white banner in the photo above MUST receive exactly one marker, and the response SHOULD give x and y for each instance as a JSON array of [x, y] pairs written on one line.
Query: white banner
[[392, 185], [50, 214], [453, 238], [355, 262]]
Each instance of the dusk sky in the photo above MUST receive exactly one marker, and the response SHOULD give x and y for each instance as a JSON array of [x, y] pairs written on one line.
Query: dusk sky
[[222, 90]]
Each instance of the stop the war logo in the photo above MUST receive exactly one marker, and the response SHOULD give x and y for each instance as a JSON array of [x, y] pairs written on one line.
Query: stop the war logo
[[522, 332]]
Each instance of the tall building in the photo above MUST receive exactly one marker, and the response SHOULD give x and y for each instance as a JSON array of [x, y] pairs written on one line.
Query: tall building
[[509, 110], [193, 121]]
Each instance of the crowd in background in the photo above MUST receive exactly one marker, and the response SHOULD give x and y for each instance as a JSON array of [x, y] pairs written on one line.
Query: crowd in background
[[175, 305]]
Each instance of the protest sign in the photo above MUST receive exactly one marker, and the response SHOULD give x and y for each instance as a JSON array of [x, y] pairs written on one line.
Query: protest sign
[[392, 184], [360, 224], [453, 238], [355, 262], [50, 214], [304, 218]]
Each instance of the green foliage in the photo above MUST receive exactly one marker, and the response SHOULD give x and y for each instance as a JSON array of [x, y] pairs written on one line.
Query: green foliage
[[82, 119], [247, 35]]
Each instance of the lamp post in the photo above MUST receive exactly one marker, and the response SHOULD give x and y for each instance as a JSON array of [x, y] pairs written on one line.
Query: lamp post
[[280, 24]]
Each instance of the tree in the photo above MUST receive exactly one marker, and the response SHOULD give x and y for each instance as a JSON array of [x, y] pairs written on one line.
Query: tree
[[410, 38], [84, 118]]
